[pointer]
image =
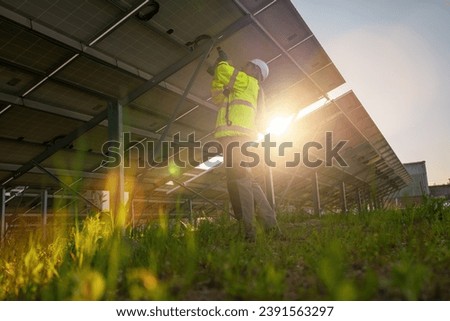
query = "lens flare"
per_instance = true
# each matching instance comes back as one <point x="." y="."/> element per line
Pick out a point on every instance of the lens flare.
<point x="279" y="125"/>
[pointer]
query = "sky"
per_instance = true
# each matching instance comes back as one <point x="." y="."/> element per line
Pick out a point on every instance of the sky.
<point x="395" y="56"/>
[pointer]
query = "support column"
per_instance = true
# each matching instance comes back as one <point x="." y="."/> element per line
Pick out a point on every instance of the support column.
<point x="191" y="212"/>
<point x="369" y="201"/>
<point x="365" y="201"/>
<point x="116" y="180"/>
<point x="44" y="205"/>
<point x="133" y="217"/>
<point x="3" y="214"/>
<point x="226" y="208"/>
<point x="270" y="193"/>
<point x="381" y="202"/>
<point x="378" y="202"/>
<point x="358" y="200"/>
<point x="376" y="206"/>
<point x="316" y="194"/>
<point x="343" y="198"/>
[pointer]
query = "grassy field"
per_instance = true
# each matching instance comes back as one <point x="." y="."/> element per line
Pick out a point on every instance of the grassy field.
<point x="382" y="255"/>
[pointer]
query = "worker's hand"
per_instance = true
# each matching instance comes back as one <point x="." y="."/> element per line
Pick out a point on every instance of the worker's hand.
<point x="222" y="57"/>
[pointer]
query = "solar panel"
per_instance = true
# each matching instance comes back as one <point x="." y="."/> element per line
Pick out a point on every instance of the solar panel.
<point x="20" y="46"/>
<point x="14" y="81"/>
<point x="81" y="19"/>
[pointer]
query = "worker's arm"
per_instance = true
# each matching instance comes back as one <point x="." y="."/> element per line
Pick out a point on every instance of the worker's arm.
<point x="222" y="57"/>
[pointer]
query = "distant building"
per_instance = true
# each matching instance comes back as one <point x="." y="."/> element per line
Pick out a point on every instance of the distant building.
<point x="442" y="191"/>
<point x="414" y="192"/>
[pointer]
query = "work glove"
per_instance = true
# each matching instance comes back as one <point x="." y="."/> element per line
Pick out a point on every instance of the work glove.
<point x="222" y="57"/>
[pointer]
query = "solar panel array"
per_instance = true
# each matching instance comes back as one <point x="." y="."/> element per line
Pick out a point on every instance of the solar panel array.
<point x="62" y="63"/>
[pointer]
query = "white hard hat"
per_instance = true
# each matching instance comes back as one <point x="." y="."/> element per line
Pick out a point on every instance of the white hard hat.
<point x="262" y="66"/>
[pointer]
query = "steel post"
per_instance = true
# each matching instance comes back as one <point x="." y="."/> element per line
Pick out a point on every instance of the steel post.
<point x="115" y="132"/>
<point x="343" y="198"/>
<point x="270" y="192"/>
<point x="44" y="206"/>
<point x="358" y="200"/>
<point x="3" y="215"/>
<point x="316" y="194"/>
<point x="191" y="211"/>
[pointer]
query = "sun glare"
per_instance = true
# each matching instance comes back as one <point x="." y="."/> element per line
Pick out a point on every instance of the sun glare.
<point x="279" y="125"/>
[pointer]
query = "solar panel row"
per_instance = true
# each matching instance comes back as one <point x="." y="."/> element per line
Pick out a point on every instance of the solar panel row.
<point x="62" y="63"/>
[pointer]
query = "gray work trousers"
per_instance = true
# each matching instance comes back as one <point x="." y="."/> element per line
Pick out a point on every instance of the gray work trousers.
<point x="244" y="191"/>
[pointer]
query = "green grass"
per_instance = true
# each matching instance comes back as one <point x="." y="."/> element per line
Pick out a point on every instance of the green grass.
<point x="382" y="255"/>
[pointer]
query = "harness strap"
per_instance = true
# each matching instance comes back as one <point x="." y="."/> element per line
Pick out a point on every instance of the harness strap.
<point x="226" y="91"/>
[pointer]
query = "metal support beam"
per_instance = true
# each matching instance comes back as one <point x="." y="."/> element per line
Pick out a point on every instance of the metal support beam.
<point x="376" y="203"/>
<point x="358" y="200"/>
<point x="379" y="203"/>
<point x="343" y="198"/>
<point x="68" y="187"/>
<point x="44" y="206"/>
<point x="182" y="99"/>
<point x="191" y="211"/>
<point x="3" y="214"/>
<point x="113" y="26"/>
<point x="368" y="200"/>
<point x="62" y="172"/>
<point x="38" y="105"/>
<point x="280" y="47"/>
<point x="133" y="216"/>
<point x="316" y="194"/>
<point x="59" y="144"/>
<point x="183" y="185"/>
<point x="117" y="180"/>
<point x="270" y="192"/>
<point x="363" y="200"/>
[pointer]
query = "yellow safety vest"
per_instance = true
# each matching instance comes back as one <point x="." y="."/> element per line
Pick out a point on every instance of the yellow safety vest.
<point x="242" y="102"/>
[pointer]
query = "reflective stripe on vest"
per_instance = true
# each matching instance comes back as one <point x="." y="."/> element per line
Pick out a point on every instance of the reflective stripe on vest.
<point x="233" y="130"/>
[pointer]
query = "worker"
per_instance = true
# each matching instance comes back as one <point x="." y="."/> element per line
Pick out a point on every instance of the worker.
<point x="236" y="94"/>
